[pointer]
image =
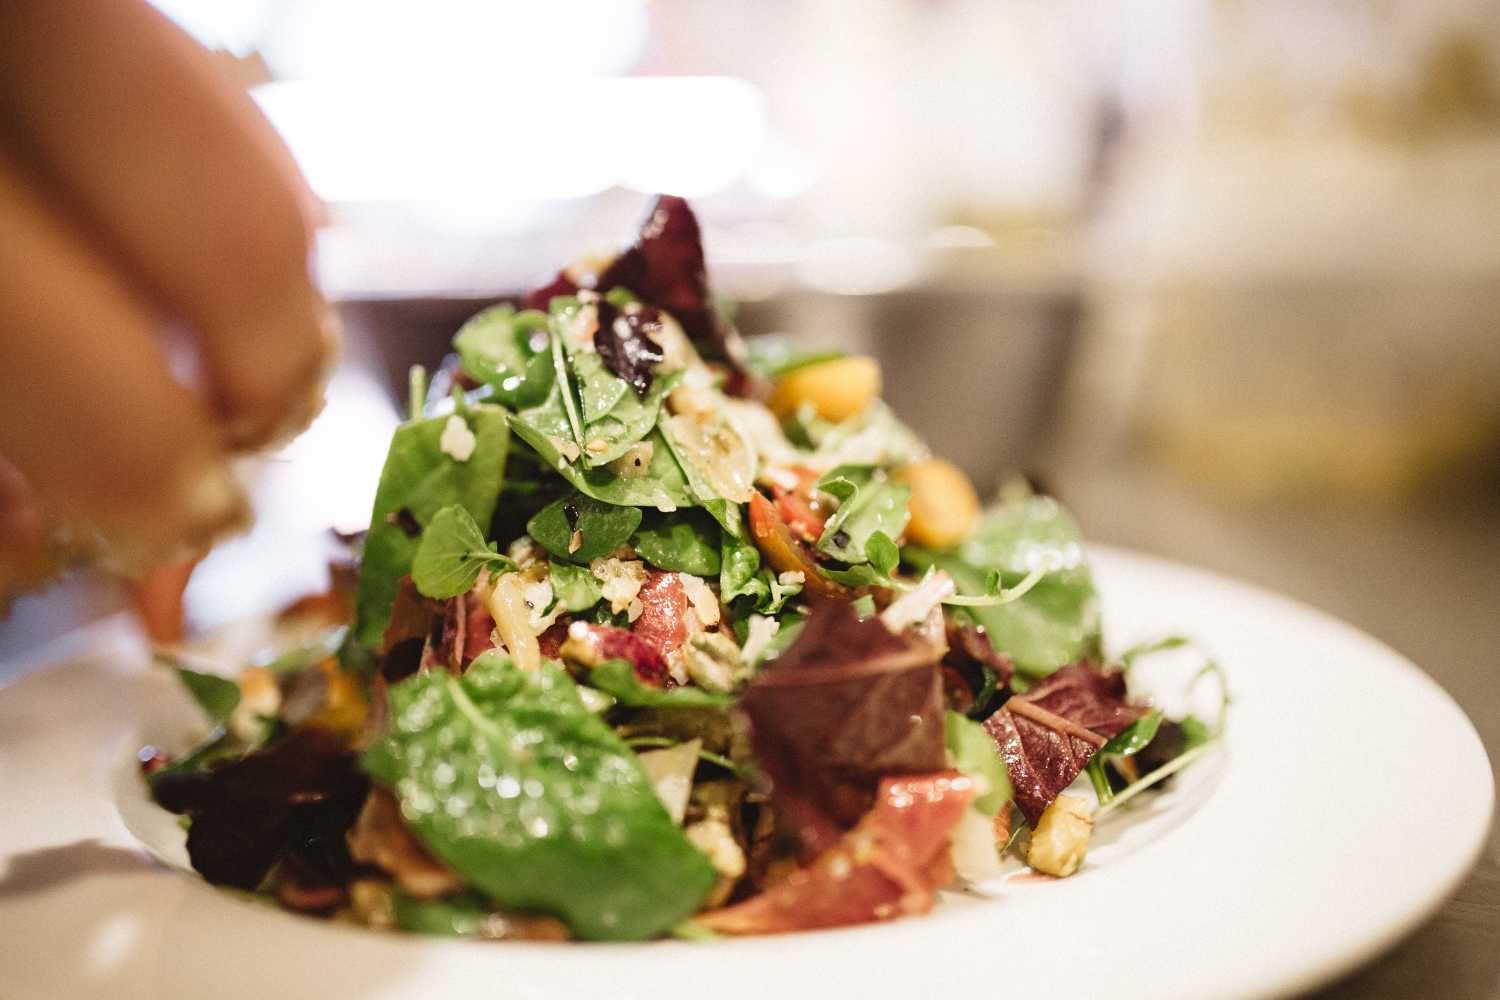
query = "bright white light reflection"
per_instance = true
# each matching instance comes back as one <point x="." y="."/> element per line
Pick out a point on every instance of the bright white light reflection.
<point x="858" y="266"/>
<point x="488" y="139"/>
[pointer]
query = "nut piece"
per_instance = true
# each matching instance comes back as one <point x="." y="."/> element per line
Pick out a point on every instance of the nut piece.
<point x="943" y="503"/>
<point x="837" y="389"/>
<point x="1061" y="837"/>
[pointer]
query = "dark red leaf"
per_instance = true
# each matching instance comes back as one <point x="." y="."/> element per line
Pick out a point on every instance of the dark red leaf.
<point x="846" y="705"/>
<point x="886" y="867"/>
<point x="626" y="342"/>
<point x="294" y="799"/>
<point x="1048" y="735"/>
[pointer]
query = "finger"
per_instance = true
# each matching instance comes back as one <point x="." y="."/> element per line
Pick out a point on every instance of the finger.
<point x="89" y="413"/>
<point x="186" y="182"/>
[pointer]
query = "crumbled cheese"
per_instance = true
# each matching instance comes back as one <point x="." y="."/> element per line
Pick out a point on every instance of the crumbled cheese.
<point x="759" y="631"/>
<point x="713" y="661"/>
<point x="791" y="578"/>
<point x="523" y="552"/>
<point x="620" y="580"/>
<point x="714" y="838"/>
<point x="457" y="441"/>
<point x="705" y="602"/>
<point x="635" y="610"/>
<point x="539" y="599"/>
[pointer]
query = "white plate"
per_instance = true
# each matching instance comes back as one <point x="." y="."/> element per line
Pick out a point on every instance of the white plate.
<point x="1350" y="798"/>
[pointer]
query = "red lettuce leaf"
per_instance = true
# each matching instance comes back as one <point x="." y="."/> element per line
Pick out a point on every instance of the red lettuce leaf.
<point x="1048" y="735"/>
<point x="846" y="705"/>
<point x="886" y="867"/>
<point x="291" y="802"/>
<point x="625" y="340"/>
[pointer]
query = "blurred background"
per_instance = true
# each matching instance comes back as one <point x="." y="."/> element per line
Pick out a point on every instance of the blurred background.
<point x="1224" y="275"/>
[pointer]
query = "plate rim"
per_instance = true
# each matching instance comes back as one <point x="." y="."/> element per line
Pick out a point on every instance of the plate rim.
<point x="48" y="660"/>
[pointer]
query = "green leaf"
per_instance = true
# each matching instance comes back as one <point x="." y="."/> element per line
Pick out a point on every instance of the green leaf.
<point x="452" y="553"/>
<point x="684" y="542"/>
<point x="1054" y="623"/>
<point x="459" y="915"/>
<point x="882" y="556"/>
<point x="617" y="677"/>
<point x="601" y="527"/>
<point x="739" y="563"/>
<point x="868" y="503"/>
<point x="974" y="754"/>
<point x="725" y="511"/>
<point x="1133" y="738"/>
<point x="508" y="779"/>
<point x="419" y="479"/>
<point x="508" y="352"/>
<point x="574" y="586"/>
<point x="217" y="696"/>
<point x="770" y="357"/>
<point x="662" y="486"/>
<point x="614" y="417"/>
<point x="216" y="746"/>
<point x="1195" y="733"/>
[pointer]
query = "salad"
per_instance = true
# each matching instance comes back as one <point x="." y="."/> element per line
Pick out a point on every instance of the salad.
<point x="655" y="632"/>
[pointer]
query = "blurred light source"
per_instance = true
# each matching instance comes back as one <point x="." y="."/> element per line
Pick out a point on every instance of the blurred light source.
<point x="858" y="266"/>
<point x="487" y="141"/>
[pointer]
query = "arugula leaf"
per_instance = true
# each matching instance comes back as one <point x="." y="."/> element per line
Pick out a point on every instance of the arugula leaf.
<point x="508" y="352"/>
<point x="452" y="553"/>
<point x="617" y="677"/>
<point x="662" y="486"/>
<point x="418" y="480"/>
<point x="600" y="527"/>
<point x="508" y="778"/>
<point x="974" y="754"/>
<point x="868" y="503"/>
<point x="217" y="696"/>
<point x="1056" y="622"/>
<point x="1127" y="742"/>
<point x="684" y="542"/>
<point x="574" y="586"/>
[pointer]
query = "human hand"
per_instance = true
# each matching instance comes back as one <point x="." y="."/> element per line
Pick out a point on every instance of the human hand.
<point x="140" y="192"/>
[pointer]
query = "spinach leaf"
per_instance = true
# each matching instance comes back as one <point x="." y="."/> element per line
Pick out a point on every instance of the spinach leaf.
<point x="663" y="485"/>
<point x="508" y="352"/>
<point x="617" y="677"/>
<point x="508" y="778"/>
<point x="868" y="503"/>
<point x="574" y="586"/>
<point x="451" y="554"/>
<point x="630" y="419"/>
<point x="217" y="696"/>
<point x="684" y="542"/>
<point x="882" y="557"/>
<point x="974" y="754"/>
<point x="739" y="561"/>
<point x="1053" y="624"/>
<point x="463" y="914"/>
<point x="599" y="389"/>
<point x="597" y="528"/>
<point x="419" y="479"/>
<point x="725" y="511"/>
